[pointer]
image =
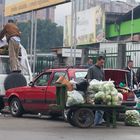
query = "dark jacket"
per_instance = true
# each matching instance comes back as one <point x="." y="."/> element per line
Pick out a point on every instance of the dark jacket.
<point x="95" y="72"/>
<point x="138" y="75"/>
<point x="134" y="80"/>
<point x="9" y="31"/>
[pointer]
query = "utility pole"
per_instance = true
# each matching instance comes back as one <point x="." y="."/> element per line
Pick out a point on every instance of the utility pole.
<point x="72" y="17"/>
<point x="35" y="41"/>
<point x="32" y="39"/>
<point x="73" y="33"/>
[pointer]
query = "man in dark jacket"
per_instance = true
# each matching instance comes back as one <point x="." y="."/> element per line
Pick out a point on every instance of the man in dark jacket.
<point x="12" y="33"/>
<point x="138" y="75"/>
<point x="131" y="76"/>
<point x="96" y="72"/>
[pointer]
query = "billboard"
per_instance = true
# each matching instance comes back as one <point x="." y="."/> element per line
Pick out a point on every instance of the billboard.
<point x="90" y="27"/>
<point x="29" y="5"/>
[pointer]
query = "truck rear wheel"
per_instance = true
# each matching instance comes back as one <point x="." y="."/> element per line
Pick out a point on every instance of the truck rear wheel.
<point x="16" y="108"/>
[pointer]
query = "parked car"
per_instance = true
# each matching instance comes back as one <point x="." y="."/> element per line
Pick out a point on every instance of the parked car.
<point x="41" y="93"/>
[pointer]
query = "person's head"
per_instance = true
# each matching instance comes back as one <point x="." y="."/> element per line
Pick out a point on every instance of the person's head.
<point x="10" y="21"/>
<point x="130" y="64"/>
<point x="90" y="61"/>
<point x="100" y="61"/>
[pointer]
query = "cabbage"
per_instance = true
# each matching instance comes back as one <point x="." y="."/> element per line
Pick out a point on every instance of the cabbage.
<point x="105" y="92"/>
<point x="132" y="118"/>
<point x="114" y="92"/>
<point x="109" y="103"/>
<point x="108" y="86"/>
<point x="100" y="95"/>
<point x="108" y="98"/>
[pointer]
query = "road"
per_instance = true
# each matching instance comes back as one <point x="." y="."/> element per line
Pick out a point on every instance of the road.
<point x="35" y="128"/>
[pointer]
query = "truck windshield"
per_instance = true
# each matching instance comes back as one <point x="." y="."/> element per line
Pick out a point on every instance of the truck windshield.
<point x="80" y="75"/>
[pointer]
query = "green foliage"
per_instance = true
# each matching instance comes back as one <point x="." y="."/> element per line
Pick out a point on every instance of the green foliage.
<point x="49" y="35"/>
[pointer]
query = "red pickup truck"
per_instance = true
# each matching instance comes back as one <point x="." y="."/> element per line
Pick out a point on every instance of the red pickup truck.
<point x="41" y="93"/>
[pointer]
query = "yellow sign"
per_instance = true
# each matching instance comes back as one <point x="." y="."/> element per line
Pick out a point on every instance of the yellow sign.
<point x="29" y="5"/>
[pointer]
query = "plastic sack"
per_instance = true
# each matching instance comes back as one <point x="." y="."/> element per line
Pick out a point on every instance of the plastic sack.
<point x="74" y="97"/>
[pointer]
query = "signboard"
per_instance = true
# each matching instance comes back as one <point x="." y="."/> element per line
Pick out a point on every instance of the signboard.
<point x="67" y="53"/>
<point x="29" y="5"/>
<point x="90" y="27"/>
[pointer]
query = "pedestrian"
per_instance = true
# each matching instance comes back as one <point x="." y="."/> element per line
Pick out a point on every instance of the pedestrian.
<point x="131" y="76"/>
<point x="96" y="72"/>
<point x="138" y="75"/>
<point x="12" y="33"/>
<point x="89" y="63"/>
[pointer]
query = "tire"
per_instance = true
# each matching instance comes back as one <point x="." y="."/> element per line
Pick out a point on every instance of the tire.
<point x="83" y="118"/>
<point x="14" y="80"/>
<point x="1" y="103"/>
<point x="16" y="108"/>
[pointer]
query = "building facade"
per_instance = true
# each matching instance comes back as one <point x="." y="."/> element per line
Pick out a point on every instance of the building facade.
<point x="109" y="5"/>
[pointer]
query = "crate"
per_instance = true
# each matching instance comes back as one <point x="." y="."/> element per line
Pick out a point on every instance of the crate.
<point x="61" y="95"/>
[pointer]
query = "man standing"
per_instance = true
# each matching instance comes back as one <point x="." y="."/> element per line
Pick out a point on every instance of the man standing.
<point x="12" y="33"/>
<point x="89" y="63"/>
<point x="138" y="75"/>
<point x="96" y="72"/>
<point x="131" y="76"/>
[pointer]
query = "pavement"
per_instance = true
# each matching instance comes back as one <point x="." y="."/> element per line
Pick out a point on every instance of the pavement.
<point x="31" y="127"/>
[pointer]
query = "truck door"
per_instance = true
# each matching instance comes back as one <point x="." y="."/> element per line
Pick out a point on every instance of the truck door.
<point x="36" y="94"/>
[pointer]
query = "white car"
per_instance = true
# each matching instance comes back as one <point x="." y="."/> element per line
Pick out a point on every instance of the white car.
<point x="5" y="67"/>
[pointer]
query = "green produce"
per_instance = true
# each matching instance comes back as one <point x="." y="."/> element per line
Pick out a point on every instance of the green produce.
<point x="106" y="93"/>
<point x="132" y="118"/>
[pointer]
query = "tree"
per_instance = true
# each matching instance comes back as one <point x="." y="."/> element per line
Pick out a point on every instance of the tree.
<point x="49" y="35"/>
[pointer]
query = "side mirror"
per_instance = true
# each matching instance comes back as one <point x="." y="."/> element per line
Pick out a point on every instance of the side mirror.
<point x="31" y="84"/>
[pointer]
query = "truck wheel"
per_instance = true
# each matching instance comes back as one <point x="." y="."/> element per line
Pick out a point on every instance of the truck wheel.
<point x="16" y="108"/>
<point x="14" y="80"/>
<point x="84" y="118"/>
<point x="1" y="103"/>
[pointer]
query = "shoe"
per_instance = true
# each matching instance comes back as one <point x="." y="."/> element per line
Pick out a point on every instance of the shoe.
<point x="100" y="124"/>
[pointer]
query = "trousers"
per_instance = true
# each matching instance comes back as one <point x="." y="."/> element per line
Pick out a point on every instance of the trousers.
<point x="14" y="48"/>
